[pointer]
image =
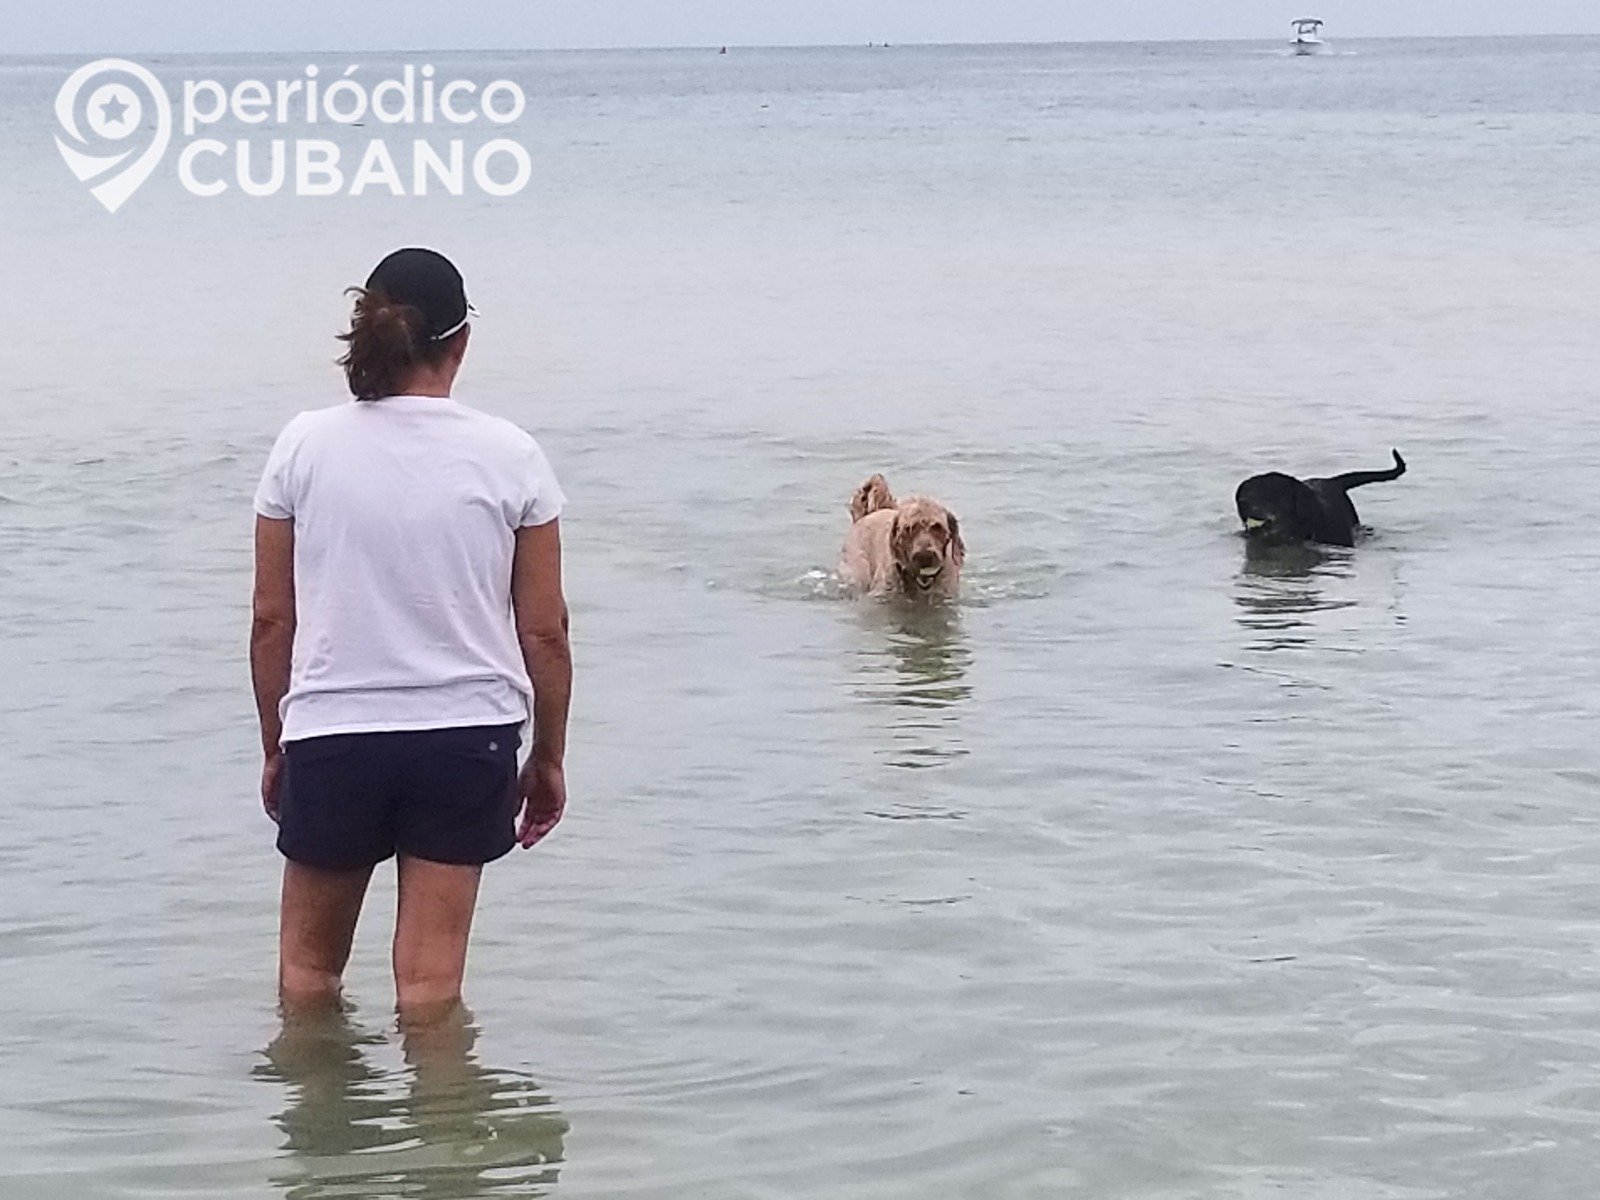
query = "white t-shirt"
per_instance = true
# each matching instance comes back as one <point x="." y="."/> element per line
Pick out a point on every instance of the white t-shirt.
<point x="405" y="511"/>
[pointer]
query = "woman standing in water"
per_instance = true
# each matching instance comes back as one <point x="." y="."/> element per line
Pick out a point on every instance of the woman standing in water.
<point x="408" y="619"/>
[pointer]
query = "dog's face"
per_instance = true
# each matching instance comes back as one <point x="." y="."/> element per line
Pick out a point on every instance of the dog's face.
<point x="1276" y="508"/>
<point x="927" y="545"/>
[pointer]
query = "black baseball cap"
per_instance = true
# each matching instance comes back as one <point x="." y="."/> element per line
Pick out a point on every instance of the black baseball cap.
<point x="428" y="282"/>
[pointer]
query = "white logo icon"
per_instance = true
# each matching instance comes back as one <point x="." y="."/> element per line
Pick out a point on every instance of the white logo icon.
<point x="113" y="112"/>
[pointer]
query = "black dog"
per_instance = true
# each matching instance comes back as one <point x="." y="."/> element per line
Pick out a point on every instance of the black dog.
<point x="1280" y="508"/>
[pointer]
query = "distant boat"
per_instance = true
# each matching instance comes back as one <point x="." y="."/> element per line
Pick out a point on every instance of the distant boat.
<point x="1306" y="39"/>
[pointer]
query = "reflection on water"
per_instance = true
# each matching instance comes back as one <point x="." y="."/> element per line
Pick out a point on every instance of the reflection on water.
<point x="914" y="661"/>
<point x="1279" y="589"/>
<point x="442" y="1126"/>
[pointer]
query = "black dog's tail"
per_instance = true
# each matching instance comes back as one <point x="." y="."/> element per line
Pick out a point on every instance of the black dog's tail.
<point x="1355" y="479"/>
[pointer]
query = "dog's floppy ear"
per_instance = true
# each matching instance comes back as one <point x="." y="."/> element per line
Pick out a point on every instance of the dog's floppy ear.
<point x="898" y="531"/>
<point x="958" y="548"/>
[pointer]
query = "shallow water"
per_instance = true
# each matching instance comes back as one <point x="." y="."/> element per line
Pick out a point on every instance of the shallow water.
<point x="1151" y="869"/>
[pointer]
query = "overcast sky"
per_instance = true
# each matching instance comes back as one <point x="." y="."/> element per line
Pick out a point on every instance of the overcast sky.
<point x="82" y="26"/>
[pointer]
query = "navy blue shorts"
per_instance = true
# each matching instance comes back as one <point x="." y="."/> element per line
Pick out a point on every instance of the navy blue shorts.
<point x="353" y="799"/>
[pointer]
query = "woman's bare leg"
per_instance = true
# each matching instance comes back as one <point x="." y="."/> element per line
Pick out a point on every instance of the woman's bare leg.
<point x="432" y="924"/>
<point x="316" y="925"/>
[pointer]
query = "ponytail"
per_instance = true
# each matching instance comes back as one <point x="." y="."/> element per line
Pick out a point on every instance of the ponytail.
<point x="385" y="342"/>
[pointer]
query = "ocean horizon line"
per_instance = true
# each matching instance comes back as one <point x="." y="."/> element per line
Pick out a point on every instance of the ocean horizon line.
<point x="769" y="47"/>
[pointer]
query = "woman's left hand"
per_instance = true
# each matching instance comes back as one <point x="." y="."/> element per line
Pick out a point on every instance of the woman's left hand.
<point x="271" y="770"/>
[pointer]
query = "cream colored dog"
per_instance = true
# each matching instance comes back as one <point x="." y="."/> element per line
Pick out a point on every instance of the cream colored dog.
<point x="911" y="547"/>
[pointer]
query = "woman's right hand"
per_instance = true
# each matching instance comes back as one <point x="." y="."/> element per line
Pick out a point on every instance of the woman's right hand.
<point x="544" y="797"/>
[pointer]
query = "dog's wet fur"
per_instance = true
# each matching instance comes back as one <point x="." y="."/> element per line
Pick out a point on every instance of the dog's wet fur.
<point x="1278" y="508"/>
<point x="909" y="547"/>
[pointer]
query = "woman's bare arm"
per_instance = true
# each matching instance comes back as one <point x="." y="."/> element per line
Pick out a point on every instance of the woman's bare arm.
<point x="272" y="640"/>
<point x="540" y="610"/>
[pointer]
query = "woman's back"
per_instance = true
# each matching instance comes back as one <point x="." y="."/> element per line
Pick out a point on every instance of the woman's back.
<point x="405" y="515"/>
